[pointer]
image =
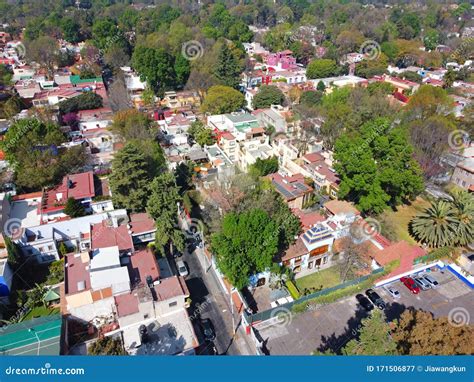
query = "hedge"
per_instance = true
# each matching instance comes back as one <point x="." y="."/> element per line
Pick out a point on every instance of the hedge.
<point x="293" y="290"/>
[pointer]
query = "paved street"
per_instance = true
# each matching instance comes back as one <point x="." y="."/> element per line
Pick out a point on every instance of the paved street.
<point x="332" y="326"/>
<point x="210" y="301"/>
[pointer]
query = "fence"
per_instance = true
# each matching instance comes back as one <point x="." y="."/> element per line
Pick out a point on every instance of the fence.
<point x="274" y="312"/>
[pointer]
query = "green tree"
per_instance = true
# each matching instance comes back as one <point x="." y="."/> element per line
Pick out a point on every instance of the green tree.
<point x="227" y="70"/>
<point x="222" y="99"/>
<point x="132" y="124"/>
<point x="263" y="167"/>
<point x="107" y="346"/>
<point x="182" y="70"/>
<point x="445" y="222"/>
<point x="156" y="66"/>
<point x="370" y="68"/>
<point x="129" y="180"/>
<point x="376" y="167"/>
<point x="201" y="134"/>
<point x="163" y="207"/>
<point x="267" y="95"/>
<point x="321" y="87"/>
<point x="431" y="39"/>
<point x="56" y="272"/>
<point x="74" y="208"/>
<point x="84" y="101"/>
<point x="322" y="68"/>
<point x="71" y="30"/>
<point x="374" y="337"/>
<point x="311" y="98"/>
<point x="245" y="245"/>
<point x="13" y="251"/>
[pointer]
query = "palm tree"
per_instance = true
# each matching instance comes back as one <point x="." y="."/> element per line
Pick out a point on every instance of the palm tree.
<point x="463" y="203"/>
<point x="437" y="225"/>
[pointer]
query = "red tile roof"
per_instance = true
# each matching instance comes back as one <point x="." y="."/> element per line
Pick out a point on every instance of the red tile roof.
<point x="126" y="304"/>
<point x="103" y="236"/>
<point x="76" y="271"/>
<point x="297" y="249"/>
<point x="142" y="264"/>
<point x="308" y="219"/>
<point x="77" y="186"/>
<point x="171" y="287"/>
<point x="141" y="223"/>
<point x="402" y="251"/>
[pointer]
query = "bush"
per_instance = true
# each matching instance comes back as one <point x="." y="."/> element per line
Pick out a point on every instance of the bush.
<point x="293" y="290"/>
<point x="84" y="101"/>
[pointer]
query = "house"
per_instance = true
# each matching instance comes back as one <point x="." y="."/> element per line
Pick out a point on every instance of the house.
<point x="236" y="123"/>
<point x="401" y="85"/>
<point x="463" y="174"/>
<point x="252" y="149"/>
<point x="182" y="100"/>
<point x="293" y="189"/>
<point x="274" y="116"/>
<point x="94" y="119"/>
<point x="105" y="235"/>
<point x="80" y="187"/>
<point x="229" y="145"/>
<point x="43" y="241"/>
<point x="340" y="81"/>
<point x="142" y="228"/>
<point x="340" y="208"/>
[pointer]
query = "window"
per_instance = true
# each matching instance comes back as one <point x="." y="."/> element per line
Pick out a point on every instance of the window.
<point x="171" y="304"/>
<point x="50" y="247"/>
<point x="325" y="259"/>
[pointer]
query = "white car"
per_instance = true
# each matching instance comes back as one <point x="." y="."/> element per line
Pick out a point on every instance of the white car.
<point x="422" y="283"/>
<point x="393" y="292"/>
<point x="432" y="281"/>
<point x="182" y="269"/>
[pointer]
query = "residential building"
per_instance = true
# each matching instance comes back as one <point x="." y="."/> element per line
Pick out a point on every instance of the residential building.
<point x="293" y="189"/>
<point x="42" y="241"/>
<point x="229" y="145"/>
<point x="252" y="149"/>
<point x="182" y="100"/>
<point x="274" y="116"/>
<point x="81" y="187"/>
<point x="94" y="119"/>
<point x="236" y="123"/>
<point x="463" y="174"/>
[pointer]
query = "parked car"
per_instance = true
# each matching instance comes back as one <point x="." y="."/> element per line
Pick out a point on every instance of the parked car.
<point x="432" y="281"/>
<point x="182" y="268"/>
<point x="410" y="284"/>
<point x="375" y="298"/>
<point x="177" y="254"/>
<point x="422" y="283"/>
<point x="208" y="330"/>
<point x="364" y="302"/>
<point x="393" y="292"/>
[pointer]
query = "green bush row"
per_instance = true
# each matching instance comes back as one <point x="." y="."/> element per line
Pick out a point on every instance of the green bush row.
<point x="293" y="290"/>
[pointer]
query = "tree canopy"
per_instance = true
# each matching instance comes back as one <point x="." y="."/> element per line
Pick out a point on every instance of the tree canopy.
<point x="246" y="245"/>
<point x="267" y="95"/>
<point x="322" y="68"/>
<point x="222" y="99"/>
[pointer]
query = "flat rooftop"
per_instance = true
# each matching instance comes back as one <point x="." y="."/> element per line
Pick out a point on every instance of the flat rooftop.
<point x="26" y="211"/>
<point x="168" y="335"/>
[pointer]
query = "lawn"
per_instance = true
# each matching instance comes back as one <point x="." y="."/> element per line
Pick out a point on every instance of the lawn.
<point x="326" y="278"/>
<point x="40" y="311"/>
<point x="402" y="217"/>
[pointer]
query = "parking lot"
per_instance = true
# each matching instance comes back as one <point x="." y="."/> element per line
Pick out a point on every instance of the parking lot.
<point x="333" y="325"/>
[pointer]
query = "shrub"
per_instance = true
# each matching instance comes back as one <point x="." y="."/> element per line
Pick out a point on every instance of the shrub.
<point x="293" y="290"/>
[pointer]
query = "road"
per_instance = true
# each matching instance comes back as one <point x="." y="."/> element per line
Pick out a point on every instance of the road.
<point x="210" y="301"/>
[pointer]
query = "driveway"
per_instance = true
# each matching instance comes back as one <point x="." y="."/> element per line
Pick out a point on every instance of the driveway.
<point x="333" y="325"/>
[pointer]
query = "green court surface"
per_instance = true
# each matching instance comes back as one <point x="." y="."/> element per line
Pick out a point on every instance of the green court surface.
<point x="37" y="336"/>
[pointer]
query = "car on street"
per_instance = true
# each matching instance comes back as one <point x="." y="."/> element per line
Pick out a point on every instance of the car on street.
<point x="393" y="292"/>
<point x="432" y="281"/>
<point x="182" y="268"/>
<point x="410" y="284"/>
<point x="208" y="330"/>
<point x="375" y="298"/>
<point x="364" y="302"/>
<point x="422" y="283"/>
